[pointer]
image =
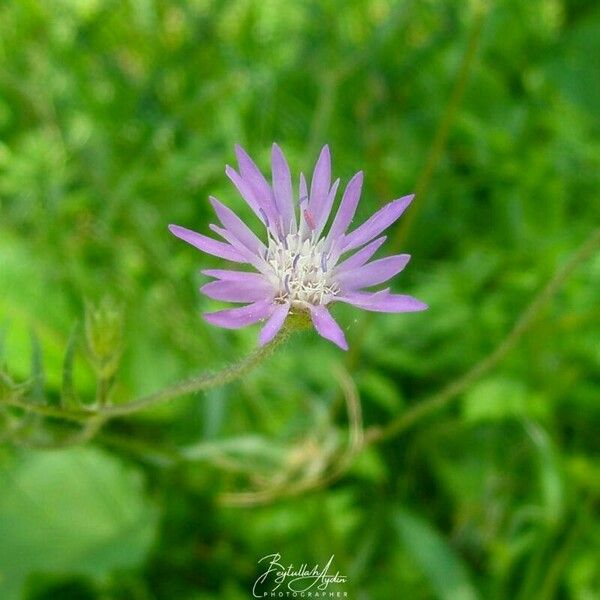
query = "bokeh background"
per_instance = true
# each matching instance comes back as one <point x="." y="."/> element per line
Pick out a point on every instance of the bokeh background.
<point x="118" y="116"/>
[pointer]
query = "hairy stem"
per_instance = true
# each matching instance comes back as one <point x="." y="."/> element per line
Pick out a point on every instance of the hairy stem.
<point x="197" y="383"/>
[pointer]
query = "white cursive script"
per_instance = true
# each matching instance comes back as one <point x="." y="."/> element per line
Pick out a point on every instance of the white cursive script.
<point x="298" y="580"/>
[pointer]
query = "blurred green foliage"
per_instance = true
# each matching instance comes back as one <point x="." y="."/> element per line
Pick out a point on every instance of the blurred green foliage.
<point x="117" y="117"/>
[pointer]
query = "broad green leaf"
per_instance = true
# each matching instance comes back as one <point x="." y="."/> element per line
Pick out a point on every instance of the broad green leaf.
<point x="445" y="570"/>
<point x="77" y="511"/>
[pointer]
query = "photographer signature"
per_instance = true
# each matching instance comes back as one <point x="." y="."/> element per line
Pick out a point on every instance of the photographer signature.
<point x="297" y="579"/>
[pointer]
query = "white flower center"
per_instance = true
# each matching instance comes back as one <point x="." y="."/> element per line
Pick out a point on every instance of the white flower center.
<point x="301" y="271"/>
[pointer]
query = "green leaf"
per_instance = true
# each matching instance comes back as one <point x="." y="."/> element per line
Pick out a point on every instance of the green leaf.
<point x="27" y="303"/>
<point x="77" y="511"/>
<point x="380" y="389"/>
<point x="369" y="465"/>
<point x="498" y="398"/>
<point x="550" y="473"/>
<point x="575" y="66"/>
<point x="445" y="570"/>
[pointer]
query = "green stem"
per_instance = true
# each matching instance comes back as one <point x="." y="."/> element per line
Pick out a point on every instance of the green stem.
<point x="49" y="411"/>
<point x="198" y="383"/>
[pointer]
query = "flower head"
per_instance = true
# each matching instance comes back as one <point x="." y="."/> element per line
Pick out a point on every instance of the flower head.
<point x="304" y="265"/>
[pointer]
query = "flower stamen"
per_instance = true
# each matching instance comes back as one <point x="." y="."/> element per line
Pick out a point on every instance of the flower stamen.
<point x="299" y="271"/>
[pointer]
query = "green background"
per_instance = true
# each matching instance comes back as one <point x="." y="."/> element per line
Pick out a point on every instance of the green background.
<point x="118" y="117"/>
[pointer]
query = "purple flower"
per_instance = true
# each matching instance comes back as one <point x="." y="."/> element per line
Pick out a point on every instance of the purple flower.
<point x="303" y="266"/>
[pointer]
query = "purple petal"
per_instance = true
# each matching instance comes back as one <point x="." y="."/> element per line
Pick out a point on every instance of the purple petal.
<point x="257" y="182"/>
<point x="347" y="207"/>
<point x="207" y="244"/>
<point x="381" y="220"/>
<point x="327" y="327"/>
<point x="383" y="301"/>
<point x="237" y="227"/>
<point x="302" y="191"/>
<point x="228" y="275"/>
<point x="282" y="187"/>
<point x="249" y="256"/>
<point x="246" y="192"/>
<point x="235" y="318"/>
<point x="362" y="256"/>
<point x="274" y="324"/>
<point x="303" y="203"/>
<point x="322" y="220"/>
<point x="319" y="187"/>
<point x="251" y="173"/>
<point x="238" y="291"/>
<point x="373" y="273"/>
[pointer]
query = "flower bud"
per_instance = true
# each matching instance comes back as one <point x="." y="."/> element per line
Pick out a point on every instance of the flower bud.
<point x="104" y="336"/>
